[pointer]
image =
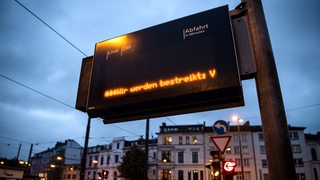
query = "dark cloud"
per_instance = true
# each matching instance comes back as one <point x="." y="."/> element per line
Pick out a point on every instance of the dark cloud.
<point x="34" y="55"/>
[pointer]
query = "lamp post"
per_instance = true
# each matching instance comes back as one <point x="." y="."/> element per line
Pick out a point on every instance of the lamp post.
<point x="238" y="120"/>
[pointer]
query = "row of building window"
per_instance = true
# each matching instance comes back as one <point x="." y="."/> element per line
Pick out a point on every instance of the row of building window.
<point x="243" y="137"/>
<point x="93" y="161"/>
<point x="294" y="135"/>
<point x="297" y="162"/>
<point x="296" y="148"/>
<point x="94" y="174"/>
<point x="70" y="176"/>
<point x="236" y="150"/>
<point x="191" y="174"/>
<point x="168" y="140"/>
<point x="166" y="157"/>
<point x="196" y="175"/>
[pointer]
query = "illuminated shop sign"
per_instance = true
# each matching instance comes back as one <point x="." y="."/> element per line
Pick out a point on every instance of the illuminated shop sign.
<point x="182" y="66"/>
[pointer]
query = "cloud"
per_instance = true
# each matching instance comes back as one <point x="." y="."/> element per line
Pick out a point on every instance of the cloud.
<point x="34" y="55"/>
<point x="56" y="75"/>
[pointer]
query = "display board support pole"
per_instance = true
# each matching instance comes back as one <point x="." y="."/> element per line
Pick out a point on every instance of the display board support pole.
<point x="85" y="150"/>
<point x="146" y="150"/>
<point x="273" y="117"/>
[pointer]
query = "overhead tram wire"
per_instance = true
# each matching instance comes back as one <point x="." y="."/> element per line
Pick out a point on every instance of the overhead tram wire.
<point x="69" y="42"/>
<point x="64" y="38"/>
<point x="78" y="49"/>
<point x="171" y="121"/>
<point x="16" y="140"/>
<point x="303" y="107"/>
<point x="125" y="130"/>
<point x="52" y="98"/>
<point x="289" y="110"/>
<point x="36" y="91"/>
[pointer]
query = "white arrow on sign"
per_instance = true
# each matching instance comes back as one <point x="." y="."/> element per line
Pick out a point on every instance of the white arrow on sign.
<point x="221" y="142"/>
<point x="218" y="125"/>
<point x="229" y="166"/>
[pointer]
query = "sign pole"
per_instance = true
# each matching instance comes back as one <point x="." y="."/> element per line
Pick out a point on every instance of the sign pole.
<point x="146" y="151"/>
<point x="273" y="117"/>
<point x="240" y="148"/>
<point x="85" y="150"/>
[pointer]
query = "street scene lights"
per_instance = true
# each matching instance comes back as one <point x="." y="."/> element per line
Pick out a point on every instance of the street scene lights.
<point x="238" y="120"/>
<point x="59" y="158"/>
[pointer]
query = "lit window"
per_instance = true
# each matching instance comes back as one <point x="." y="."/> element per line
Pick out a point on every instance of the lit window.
<point x="167" y="140"/>
<point x="194" y="140"/>
<point x="165" y="156"/>
<point x="228" y="150"/>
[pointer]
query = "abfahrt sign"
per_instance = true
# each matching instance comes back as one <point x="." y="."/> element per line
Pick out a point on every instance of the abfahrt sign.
<point x="182" y="66"/>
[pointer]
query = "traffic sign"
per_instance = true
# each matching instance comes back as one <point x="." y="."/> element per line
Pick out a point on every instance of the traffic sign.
<point x="221" y="127"/>
<point x="221" y="142"/>
<point x="229" y="167"/>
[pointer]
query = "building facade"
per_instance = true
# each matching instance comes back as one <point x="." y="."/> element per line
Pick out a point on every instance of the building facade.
<point x="59" y="162"/>
<point x="184" y="151"/>
<point x="180" y="152"/>
<point x="103" y="160"/>
<point x="313" y="153"/>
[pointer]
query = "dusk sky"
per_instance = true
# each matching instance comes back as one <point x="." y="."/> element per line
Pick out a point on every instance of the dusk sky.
<point x="39" y="71"/>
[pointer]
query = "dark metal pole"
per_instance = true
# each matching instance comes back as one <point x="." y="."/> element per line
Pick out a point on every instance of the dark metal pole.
<point x="273" y="117"/>
<point x="85" y="150"/>
<point x="18" y="154"/>
<point x="147" y="151"/>
<point x="240" y="148"/>
<point x="30" y="153"/>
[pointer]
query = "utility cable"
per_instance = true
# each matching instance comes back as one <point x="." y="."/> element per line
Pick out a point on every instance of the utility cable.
<point x="52" y="98"/>
<point x="74" y="46"/>
<point x="289" y="110"/>
<point x="171" y="121"/>
<point x="36" y="91"/>
<point x="125" y="130"/>
<point x="46" y="24"/>
<point x="12" y="139"/>
<point x="69" y="42"/>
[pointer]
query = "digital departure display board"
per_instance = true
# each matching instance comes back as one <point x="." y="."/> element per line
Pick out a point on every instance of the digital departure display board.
<point x="182" y="66"/>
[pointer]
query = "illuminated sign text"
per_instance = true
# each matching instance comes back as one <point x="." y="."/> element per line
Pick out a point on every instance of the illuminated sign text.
<point x="198" y="76"/>
<point x="194" y="30"/>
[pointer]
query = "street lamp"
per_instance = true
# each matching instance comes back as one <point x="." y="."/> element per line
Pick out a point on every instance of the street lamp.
<point x="95" y="161"/>
<point x="59" y="158"/>
<point x="238" y="120"/>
